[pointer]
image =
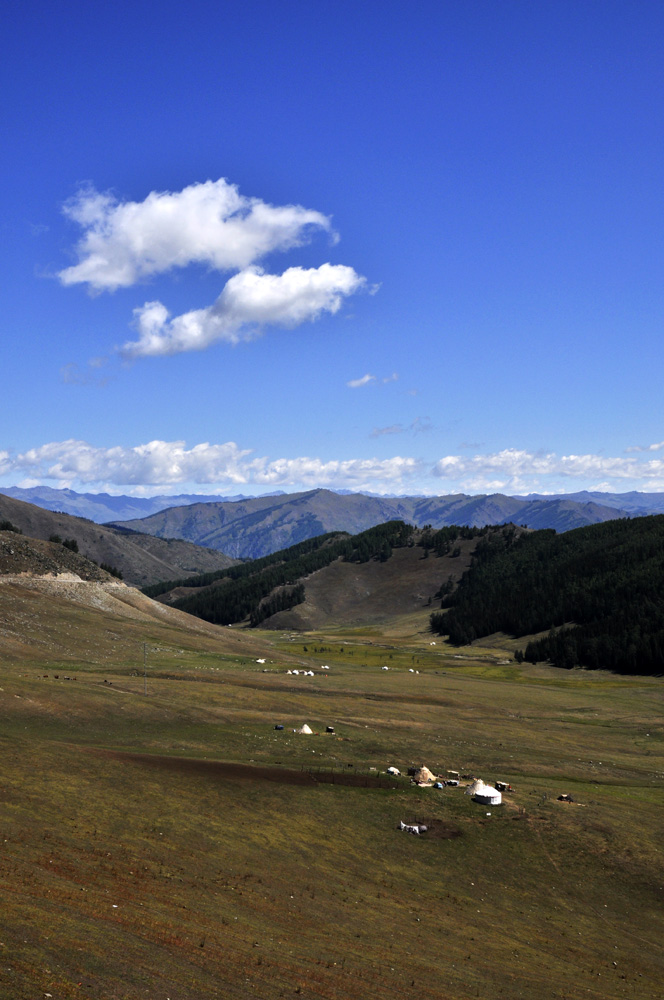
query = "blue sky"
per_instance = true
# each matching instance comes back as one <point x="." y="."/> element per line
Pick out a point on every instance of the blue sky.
<point x="387" y="246"/>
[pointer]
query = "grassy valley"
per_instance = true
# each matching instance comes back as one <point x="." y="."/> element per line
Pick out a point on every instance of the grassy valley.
<point x="175" y="844"/>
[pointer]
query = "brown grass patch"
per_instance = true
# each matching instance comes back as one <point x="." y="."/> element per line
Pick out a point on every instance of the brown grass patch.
<point x="437" y="829"/>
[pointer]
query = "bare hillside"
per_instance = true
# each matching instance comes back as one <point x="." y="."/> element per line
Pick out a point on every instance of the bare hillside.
<point x="372" y="592"/>
<point x="59" y="620"/>
<point x="55" y="603"/>
<point x="142" y="559"/>
<point x="22" y="556"/>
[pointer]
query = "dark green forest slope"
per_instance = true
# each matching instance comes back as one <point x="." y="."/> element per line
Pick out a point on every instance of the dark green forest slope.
<point x="599" y="590"/>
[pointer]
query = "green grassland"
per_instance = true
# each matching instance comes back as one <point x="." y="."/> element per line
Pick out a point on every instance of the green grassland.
<point x="127" y="873"/>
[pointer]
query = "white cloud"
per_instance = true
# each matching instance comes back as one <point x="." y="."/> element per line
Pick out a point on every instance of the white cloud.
<point x="163" y="465"/>
<point x="249" y="301"/>
<point x="357" y="383"/>
<point x="209" y="223"/>
<point x="515" y="470"/>
<point x="169" y="463"/>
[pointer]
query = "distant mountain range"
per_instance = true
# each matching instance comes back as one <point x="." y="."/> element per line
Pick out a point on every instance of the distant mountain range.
<point x="637" y="504"/>
<point x="252" y="528"/>
<point x="102" y="507"/>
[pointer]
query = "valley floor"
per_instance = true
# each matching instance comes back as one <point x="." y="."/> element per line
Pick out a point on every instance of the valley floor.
<point x="147" y="848"/>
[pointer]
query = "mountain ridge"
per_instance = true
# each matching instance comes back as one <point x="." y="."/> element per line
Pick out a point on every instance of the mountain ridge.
<point x="250" y="529"/>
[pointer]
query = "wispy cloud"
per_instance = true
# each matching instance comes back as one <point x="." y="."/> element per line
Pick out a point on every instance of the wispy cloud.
<point x="357" y="383"/>
<point x="383" y="431"/>
<point x="417" y="426"/>
<point x="213" y="225"/>
<point x="648" y="447"/>
<point x="73" y="374"/>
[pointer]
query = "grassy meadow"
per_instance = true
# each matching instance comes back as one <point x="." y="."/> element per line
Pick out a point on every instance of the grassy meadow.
<point x="134" y="864"/>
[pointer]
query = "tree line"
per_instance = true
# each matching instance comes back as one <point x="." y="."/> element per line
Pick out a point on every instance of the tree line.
<point x="598" y="591"/>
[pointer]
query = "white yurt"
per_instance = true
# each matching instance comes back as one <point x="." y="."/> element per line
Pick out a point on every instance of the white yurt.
<point x="486" y="795"/>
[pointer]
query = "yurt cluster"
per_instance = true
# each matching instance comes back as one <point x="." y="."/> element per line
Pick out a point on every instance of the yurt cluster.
<point x="479" y="791"/>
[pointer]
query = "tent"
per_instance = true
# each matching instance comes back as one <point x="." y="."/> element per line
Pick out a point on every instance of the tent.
<point x="424" y="776"/>
<point x="305" y="729"/>
<point x="393" y="770"/>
